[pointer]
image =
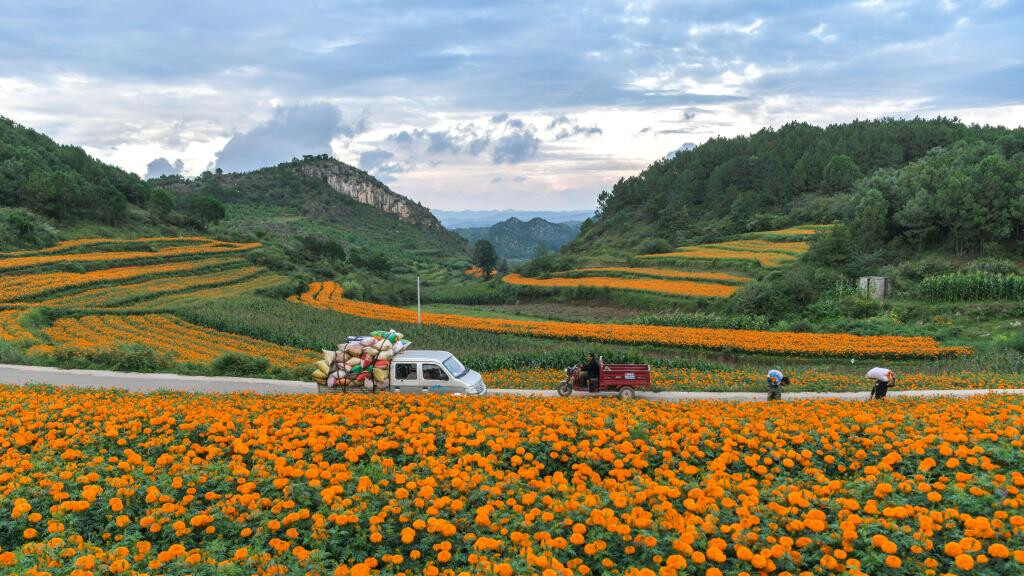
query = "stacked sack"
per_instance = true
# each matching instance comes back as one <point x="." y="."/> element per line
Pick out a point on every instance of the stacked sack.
<point x="362" y="360"/>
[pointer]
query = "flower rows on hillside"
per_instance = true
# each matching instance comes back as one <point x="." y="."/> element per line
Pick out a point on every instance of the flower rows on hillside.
<point x="17" y="287"/>
<point x="107" y="482"/>
<point x="69" y="245"/>
<point x="329" y="295"/>
<point x="710" y="252"/>
<point x="187" y="342"/>
<point x="673" y="287"/>
<point x="663" y="273"/>
<point x="10" y="326"/>
<point x="687" y="380"/>
<point x="120" y="294"/>
<point x="8" y="262"/>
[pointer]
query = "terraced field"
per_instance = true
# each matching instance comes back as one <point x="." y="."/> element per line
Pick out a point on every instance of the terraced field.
<point x="141" y="275"/>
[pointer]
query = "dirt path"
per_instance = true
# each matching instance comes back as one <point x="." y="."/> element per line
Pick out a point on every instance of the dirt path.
<point x="135" y="382"/>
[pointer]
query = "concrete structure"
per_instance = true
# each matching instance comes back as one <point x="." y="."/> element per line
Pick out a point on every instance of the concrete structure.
<point x="878" y="287"/>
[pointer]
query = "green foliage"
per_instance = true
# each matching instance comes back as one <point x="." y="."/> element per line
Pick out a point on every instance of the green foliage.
<point x="801" y="173"/>
<point x="971" y="286"/>
<point x="159" y="203"/>
<point x="844" y="300"/>
<point x="654" y="246"/>
<point x="783" y="291"/>
<point x="840" y="174"/>
<point x="545" y="262"/>
<point x="704" y="320"/>
<point x="484" y="257"/>
<point x="234" y="364"/>
<point x="123" y="358"/>
<point x="206" y="211"/>
<point x="22" y="229"/>
<point x="62" y="182"/>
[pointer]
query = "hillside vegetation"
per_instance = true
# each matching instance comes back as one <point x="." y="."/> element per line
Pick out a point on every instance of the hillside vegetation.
<point x="907" y="182"/>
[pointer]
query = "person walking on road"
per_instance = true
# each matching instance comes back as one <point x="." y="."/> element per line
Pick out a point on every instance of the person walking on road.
<point x="776" y="380"/>
<point x="884" y="379"/>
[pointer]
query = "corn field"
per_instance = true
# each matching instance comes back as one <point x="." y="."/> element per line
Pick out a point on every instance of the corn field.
<point x="961" y="287"/>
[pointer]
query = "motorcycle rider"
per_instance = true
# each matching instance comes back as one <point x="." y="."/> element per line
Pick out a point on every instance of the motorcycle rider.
<point x="591" y="373"/>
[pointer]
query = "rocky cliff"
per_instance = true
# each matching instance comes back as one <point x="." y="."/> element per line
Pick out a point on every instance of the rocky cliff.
<point x="366" y="189"/>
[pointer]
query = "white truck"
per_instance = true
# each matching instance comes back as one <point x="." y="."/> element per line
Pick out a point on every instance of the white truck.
<point x="433" y="371"/>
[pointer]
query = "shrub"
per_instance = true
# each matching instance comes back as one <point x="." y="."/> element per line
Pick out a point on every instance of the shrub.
<point x="234" y="364"/>
<point x="654" y="246"/>
<point x="21" y="228"/>
<point x="123" y="358"/>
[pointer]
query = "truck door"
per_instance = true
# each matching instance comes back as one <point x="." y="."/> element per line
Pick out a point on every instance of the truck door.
<point x="406" y="380"/>
<point x="433" y="378"/>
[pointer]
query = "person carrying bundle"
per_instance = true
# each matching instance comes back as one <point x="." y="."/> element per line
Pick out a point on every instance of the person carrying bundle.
<point x="776" y="380"/>
<point x="884" y="379"/>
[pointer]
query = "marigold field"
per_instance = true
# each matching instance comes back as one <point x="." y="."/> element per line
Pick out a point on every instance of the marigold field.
<point x="100" y="482"/>
<point x="663" y="273"/>
<point x="329" y="295"/>
<point x="673" y="287"/>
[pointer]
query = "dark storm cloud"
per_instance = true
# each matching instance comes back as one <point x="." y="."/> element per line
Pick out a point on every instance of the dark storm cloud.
<point x="293" y="131"/>
<point x="163" y="167"/>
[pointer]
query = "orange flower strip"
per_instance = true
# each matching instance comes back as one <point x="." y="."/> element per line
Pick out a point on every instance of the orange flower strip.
<point x="756" y="245"/>
<point x="673" y="287"/>
<point x="16" y="287"/>
<point x="72" y="244"/>
<point x="664" y="273"/>
<point x="328" y="295"/>
<point x="104" y="482"/>
<point x="117" y="295"/>
<point x="768" y="259"/>
<point x="687" y="380"/>
<point x="188" y="342"/>
<point x="10" y="326"/>
<point x="209" y="247"/>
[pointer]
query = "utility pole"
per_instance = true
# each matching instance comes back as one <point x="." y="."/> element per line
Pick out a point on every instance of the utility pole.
<point x="419" y="315"/>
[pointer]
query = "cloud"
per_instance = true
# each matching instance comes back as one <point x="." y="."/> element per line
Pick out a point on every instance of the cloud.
<point x="162" y="167"/>
<point x="381" y="164"/>
<point x="568" y="127"/>
<point x="291" y="132"/>
<point x="821" y="33"/>
<point x="516" y="147"/>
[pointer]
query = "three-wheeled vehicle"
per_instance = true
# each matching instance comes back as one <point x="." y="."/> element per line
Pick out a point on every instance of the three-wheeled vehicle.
<point x="622" y="379"/>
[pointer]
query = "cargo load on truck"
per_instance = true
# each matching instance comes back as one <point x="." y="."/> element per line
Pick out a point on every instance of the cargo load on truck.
<point x="361" y="363"/>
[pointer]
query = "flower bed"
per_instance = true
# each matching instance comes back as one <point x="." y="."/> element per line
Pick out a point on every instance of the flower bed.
<point x="329" y="295"/>
<point x="111" y="482"/>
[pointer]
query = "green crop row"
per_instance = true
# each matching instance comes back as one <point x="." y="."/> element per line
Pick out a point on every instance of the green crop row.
<point x="972" y="286"/>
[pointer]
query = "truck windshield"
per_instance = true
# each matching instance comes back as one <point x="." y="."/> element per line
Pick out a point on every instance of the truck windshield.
<point x="455" y="367"/>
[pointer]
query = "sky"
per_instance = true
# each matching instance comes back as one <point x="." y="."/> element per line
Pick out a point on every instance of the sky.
<point x="464" y="104"/>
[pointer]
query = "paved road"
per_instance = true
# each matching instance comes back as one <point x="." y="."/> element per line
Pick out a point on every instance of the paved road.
<point x="15" y="374"/>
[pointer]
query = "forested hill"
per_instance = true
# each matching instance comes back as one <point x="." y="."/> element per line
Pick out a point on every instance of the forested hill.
<point x="62" y="182"/>
<point x="919" y="183"/>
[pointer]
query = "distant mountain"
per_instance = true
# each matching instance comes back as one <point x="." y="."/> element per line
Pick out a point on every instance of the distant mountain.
<point x="517" y="240"/>
<point x="485" y="218"/>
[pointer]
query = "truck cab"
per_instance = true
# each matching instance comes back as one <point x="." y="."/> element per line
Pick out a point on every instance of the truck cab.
<point x="433" y="371"/>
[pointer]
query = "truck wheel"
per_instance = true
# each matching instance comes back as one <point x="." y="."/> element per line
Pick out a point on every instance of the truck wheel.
<point x="627" y="393"/>
<point x="564" y="389"/>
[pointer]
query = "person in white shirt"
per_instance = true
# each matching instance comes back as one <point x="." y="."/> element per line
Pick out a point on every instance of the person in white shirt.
<point x="884" y="379"/>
